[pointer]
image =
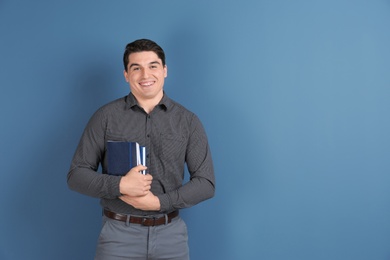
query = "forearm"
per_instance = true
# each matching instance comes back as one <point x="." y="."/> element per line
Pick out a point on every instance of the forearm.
<point x="188" y="195"/>
<point x="94" y="184"/>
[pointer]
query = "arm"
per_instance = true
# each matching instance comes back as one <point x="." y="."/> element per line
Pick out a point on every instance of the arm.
<point x="83" y="176"/>
<point x="200" y="166"/>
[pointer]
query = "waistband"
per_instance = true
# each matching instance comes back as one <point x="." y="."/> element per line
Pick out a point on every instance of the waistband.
<point x="144" y="221"/>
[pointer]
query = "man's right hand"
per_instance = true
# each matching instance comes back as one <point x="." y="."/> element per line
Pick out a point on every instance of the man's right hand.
<point x="135" y="183"/>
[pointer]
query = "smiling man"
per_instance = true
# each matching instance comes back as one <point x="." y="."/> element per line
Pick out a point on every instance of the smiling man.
<point x="146" y="73"/>
<point x="141" y="212"/>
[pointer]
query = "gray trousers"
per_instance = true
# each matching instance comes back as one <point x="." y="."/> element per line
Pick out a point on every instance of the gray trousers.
<point x="118" y="241"/>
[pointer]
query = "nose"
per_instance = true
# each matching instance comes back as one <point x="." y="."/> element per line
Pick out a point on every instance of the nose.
<point x="145" y="73"/>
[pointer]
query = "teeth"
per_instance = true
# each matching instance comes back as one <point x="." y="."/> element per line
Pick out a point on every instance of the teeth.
<point x="146" y="84"/>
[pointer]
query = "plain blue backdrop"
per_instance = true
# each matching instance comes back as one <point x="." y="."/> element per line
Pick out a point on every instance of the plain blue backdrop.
<point x="294" y="96"/>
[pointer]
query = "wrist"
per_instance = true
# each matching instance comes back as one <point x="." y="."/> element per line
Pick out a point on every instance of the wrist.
<point x="120" y="187"/>
<point x="158" y="205"/>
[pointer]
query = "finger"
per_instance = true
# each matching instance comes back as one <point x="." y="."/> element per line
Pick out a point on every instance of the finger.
<point x="137" y="169"/>
<point x="148" y="177"/>
<point x="140" y="167"/>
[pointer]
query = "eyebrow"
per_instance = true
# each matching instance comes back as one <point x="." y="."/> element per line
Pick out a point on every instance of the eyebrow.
<point x="150" y="63"/>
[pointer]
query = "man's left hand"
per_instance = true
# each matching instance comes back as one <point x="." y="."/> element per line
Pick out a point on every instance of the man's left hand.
<point x="148" y="202"/>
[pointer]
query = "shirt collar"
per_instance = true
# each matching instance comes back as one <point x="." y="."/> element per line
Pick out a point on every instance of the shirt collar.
<point x="165" y="103"/>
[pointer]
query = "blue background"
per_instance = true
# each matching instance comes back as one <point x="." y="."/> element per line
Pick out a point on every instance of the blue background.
<point x="294" y="96"/>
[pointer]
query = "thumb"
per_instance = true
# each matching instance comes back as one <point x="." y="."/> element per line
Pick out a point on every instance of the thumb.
<point x="140" y="167"/>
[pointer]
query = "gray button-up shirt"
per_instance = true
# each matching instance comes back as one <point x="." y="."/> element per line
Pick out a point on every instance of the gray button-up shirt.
<point x="173" y="137"/>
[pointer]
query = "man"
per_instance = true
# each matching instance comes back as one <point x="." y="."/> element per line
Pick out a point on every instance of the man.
<point x="140" y="212"/>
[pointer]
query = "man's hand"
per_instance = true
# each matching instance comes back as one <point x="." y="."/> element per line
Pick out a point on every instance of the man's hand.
<point x="134" y="183"/>
<point x="146" y="202"/>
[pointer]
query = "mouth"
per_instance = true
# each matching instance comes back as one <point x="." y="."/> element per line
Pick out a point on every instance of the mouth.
<point x="146" y="83"/>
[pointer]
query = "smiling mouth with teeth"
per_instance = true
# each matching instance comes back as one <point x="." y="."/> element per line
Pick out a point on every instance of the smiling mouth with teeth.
<point x="147" y="84"/>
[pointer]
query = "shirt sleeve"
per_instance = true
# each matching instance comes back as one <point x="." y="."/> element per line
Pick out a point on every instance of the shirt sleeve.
<point x="83" y="176"/>
<point x="201" y="185"/>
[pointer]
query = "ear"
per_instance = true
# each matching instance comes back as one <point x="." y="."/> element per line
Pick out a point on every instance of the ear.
<point x="125" y="75"/>
<point x="165" y="71"/>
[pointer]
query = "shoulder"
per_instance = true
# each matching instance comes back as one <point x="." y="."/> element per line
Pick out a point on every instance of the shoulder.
<point x="116" y="104"/>
<point x="107" y="110"/>
<point x="176" y="107"/>
<point x="182" y="113"/>
<point x="113" y="106"/>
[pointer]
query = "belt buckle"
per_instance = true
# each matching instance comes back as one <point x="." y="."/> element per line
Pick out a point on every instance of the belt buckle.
<point x="144" y="219"/>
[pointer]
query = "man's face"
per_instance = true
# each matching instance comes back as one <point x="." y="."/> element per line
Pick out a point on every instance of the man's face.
<point x="145" y="74"/>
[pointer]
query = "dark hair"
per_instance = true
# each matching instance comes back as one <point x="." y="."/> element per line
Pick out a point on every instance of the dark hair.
<point x="142" y="45"/>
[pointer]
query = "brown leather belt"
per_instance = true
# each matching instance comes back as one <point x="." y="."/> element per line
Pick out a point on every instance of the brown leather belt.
<point x="145" y="221"/>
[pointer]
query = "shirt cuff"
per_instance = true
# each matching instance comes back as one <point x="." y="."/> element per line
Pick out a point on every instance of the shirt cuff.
<point x="113" y="187"/>
<point x="165" y="203"/>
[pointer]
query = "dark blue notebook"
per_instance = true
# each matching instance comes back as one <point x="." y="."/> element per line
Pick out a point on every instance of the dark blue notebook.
<point x="122" y="156"/>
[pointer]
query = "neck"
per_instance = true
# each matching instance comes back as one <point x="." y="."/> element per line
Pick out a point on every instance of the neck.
<point x="149" y="104"/>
